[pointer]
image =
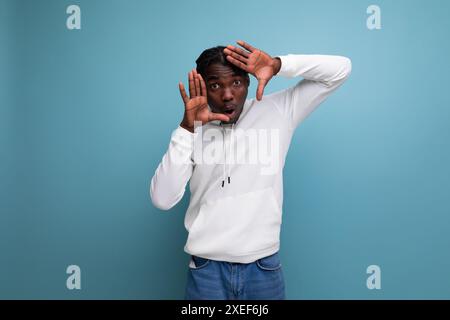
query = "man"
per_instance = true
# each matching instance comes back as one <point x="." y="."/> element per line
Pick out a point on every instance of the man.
<point x="235" y="209"/>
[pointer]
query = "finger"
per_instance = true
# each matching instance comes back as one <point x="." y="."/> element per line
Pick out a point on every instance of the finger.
<point x="197" y="84"/>
<point x="183" y="93"/>
<point x="235" y="55"/>
<point x="237" y="50"/>
<point x="246" y="45"/>
<point x="260" y="91"/>
<point x="191" y="85"/>
<point x="202" y="85"/>
<point x="237" y="63"/>
<point x="218" y="116"/>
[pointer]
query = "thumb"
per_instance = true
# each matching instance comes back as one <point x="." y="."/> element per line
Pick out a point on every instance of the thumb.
<point x="260" y="91"/>
<point x="218" y="116"/>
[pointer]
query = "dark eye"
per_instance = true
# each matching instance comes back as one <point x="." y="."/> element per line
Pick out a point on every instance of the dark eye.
<point x="237" y="82"/>
<point x="214" y="86"/>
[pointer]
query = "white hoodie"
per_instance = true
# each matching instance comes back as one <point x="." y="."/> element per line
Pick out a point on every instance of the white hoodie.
<point x="236" y="178"/>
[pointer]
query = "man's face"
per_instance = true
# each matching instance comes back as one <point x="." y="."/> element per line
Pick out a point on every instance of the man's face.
<point x="226" y="90"/>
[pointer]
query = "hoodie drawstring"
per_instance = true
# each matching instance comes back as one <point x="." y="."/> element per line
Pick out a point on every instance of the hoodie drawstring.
<point x="224" y="175"/>
<point x="225" y="154"/>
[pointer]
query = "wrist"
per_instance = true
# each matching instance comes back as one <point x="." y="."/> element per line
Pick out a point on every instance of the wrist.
<point x="276" y="65"/>
<point x="186" y="126"/>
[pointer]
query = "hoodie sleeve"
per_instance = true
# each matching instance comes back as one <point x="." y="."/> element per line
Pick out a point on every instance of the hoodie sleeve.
<point x="322" y="74"/>
<point x="168" y="184"/>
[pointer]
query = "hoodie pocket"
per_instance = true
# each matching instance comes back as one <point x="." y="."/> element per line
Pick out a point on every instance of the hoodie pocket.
<point x="238" y="225"/>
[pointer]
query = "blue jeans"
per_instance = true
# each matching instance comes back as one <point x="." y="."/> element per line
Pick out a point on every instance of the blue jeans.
<point x="218" y="280"/>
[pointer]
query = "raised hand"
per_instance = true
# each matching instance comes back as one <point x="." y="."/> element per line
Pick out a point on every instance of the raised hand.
<point x="256" y="62"/>
<point x="196" y="105"/>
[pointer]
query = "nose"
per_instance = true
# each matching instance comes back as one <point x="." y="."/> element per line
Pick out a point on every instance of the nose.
<point x="227" y="94"/>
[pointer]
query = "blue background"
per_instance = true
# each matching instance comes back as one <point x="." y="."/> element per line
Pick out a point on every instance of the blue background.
<point x="86" y="116"/>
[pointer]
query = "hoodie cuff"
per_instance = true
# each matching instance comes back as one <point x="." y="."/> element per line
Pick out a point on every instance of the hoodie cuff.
<point x="183" y="138"/>
<point x="289" y="65"/>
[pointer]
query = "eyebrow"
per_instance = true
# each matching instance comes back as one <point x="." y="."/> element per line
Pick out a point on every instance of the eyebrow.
<point x="214" y="77"/>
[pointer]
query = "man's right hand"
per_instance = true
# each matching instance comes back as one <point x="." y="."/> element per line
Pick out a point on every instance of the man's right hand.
<point x="196" y="106"/>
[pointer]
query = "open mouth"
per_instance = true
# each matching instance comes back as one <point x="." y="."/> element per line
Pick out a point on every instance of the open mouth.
<point x="230" y="110"/>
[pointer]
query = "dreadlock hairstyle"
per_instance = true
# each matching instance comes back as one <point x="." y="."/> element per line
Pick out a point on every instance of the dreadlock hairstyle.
<point x="216" y="55"/>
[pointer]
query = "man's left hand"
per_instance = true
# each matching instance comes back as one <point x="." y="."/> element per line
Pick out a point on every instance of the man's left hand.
<point x="256" y="62"/>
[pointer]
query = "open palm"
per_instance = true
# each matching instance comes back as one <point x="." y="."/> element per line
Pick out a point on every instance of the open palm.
<point x="254" y="61"/>
<point x="196" y="105"/>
